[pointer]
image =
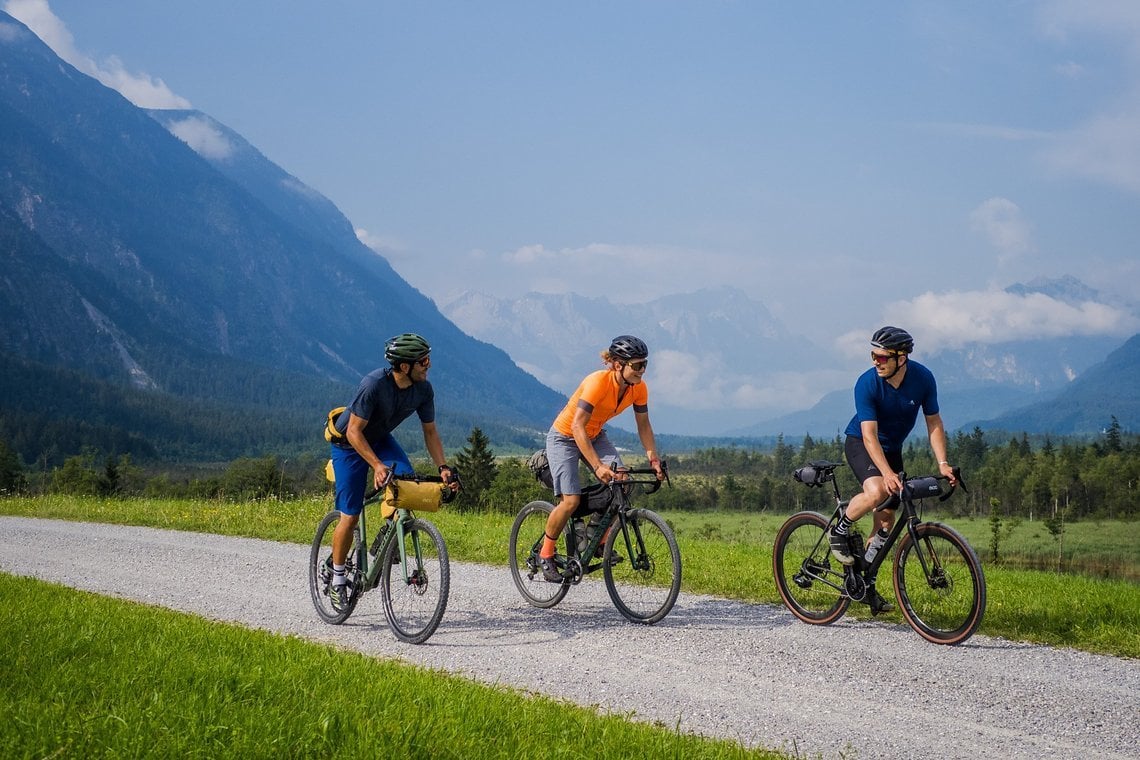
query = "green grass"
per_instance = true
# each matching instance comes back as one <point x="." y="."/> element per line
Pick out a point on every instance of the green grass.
<point x="723" y="554"/>
<point x="92" y="676"/>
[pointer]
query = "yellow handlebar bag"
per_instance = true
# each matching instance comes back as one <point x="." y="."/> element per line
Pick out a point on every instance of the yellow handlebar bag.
<point x="413" y="495"/>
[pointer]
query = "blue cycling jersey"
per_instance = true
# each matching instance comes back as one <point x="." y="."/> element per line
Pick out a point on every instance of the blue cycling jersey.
<point x="895" y="409"/>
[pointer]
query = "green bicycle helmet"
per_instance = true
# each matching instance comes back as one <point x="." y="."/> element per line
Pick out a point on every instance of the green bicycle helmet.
<point x="893" y="339"/>
<point x="406" y="347"/>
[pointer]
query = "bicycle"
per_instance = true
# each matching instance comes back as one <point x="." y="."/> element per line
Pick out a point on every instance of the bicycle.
<point x="407" y="559"/>
<point x="937" y="576"/>
<point x="635" y="549"/>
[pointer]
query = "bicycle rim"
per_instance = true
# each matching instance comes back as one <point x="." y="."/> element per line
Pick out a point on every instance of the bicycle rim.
<point x="945" y="600"/>
<point x="526" y="541"/>
<point x="320" y="571"/>
<point x="802" y="562"/>
<point x="415" y="590"/>
<point x="643" y="576"/>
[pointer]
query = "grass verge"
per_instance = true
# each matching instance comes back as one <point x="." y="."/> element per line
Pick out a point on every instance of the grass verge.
<point x="92" y="676"/>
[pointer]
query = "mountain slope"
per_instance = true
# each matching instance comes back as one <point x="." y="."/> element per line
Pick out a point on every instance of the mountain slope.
<point x="1106" y="390"/>
<point x="130" y="257"/>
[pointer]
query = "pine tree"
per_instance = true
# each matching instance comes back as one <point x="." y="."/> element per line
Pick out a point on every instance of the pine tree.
<point x="477" y="468"/>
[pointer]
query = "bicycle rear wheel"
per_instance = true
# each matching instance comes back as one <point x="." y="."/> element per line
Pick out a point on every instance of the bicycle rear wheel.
<point x="320" y="571"/>
<point x="940" y="584"/>
<point x="415" y="590"/>
<point x="804" y="569"/>
<point x="526" y="541"/>
<point x="643" y="575"/>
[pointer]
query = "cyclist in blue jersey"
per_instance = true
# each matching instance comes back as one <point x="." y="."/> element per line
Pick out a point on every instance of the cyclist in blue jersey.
<point x="386" y="397"/>
<point x="888" y="398"/>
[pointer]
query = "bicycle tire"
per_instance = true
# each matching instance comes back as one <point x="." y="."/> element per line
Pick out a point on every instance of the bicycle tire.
<point x="320" y="555"/>
<point x="415" y="589"/>
<point x="800" y="556"/>
<point x="643" y="587"/>
<point x="945" y="606"/>
<point x="529" y="528"/>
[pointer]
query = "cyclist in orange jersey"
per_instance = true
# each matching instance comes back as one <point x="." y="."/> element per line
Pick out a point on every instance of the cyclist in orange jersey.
<point x="578" y="433"/>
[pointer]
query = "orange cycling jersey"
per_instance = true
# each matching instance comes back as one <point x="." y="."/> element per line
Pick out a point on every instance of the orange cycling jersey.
<point x="601" y="394"/>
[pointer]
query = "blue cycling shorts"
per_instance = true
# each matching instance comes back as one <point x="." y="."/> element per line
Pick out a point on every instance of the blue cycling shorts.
<point x="351" y="471"/>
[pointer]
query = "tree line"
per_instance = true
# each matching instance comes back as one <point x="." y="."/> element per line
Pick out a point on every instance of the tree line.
<point x="1008" y="476"/>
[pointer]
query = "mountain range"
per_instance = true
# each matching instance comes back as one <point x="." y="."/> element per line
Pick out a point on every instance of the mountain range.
<point x="727" y="348"/>
<point x="138" y="254"/>
<point x="168" y="291"/>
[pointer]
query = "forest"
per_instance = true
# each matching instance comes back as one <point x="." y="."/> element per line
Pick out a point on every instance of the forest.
<point x="1008" y="476"/>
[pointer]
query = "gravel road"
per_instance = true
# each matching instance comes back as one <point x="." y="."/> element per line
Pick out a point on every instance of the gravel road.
<point x="751" y="673"/>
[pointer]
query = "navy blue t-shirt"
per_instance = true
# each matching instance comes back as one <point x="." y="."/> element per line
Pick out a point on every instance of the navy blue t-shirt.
<point x="895" y="409"/>
<point x="385" y="405"/>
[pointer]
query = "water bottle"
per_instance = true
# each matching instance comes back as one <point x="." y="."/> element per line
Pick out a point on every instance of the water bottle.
<point x="580" y="535"/>
<point x="877" y="542"/>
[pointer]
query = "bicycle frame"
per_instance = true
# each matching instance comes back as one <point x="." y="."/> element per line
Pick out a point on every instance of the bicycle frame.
<point x="908" y="520"/>
<point x="616" y="510"/>
<point x="391" y="529"/>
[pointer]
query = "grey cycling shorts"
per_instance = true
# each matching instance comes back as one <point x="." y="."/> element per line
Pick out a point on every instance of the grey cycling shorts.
<point x="563" y="454"/>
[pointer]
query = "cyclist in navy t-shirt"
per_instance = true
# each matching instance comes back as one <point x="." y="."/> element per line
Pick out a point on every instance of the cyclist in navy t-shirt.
<point x="888" y="398"/>
<point x="386" y="397"/>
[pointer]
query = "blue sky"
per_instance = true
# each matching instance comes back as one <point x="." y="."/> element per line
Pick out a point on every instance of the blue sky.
<point x="846" y="167"/>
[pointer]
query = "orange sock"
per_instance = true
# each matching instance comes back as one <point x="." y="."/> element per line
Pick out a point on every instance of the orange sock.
<point x="549" y="545"/>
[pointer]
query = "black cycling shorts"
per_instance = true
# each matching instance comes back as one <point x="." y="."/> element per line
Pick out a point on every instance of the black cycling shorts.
<point x="860" y="461"/>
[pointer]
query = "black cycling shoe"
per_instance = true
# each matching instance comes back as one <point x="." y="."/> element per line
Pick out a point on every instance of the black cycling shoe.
<point x="841" y="547"/>
<point x="877" y="603"/>
<point x="550" y="570"/>
<point x="338" y="595"/>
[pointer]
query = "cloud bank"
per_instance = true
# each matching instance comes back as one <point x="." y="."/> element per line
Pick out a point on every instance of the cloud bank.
<point x="142" y="90"/>
<point x="953" y="319"/>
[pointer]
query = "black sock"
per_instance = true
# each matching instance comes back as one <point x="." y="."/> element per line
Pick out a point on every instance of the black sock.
<point x="842" y="526"/>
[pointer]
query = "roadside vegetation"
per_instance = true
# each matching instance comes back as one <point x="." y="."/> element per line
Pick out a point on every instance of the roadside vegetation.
<point x="92" y="676"/>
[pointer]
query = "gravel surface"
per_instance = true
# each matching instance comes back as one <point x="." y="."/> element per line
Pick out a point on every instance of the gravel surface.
<point x="751" y="673"/>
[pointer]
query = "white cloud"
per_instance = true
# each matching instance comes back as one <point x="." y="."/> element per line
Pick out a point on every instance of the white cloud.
<point x="203" y="137"/>
<point x="382" y="244"/>
<point x="141" y="89"/>
<point x="688" y="381"/>
<point x="952" y="319"/>
<point x="1003" y="225"/>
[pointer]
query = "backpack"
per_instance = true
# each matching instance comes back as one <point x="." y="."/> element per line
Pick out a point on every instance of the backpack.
<point x="540" y="466"/>
<point x="332" y="435"/>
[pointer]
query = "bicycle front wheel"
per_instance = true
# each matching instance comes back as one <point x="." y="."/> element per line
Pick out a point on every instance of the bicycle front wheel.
<point x="320" y="571"/>
<point x="643" y="573"/>
<point x="526" y="542"/>
<point x="809" y="581"/>
<point x="415" y="589"/>
<point x="939" y="584"/>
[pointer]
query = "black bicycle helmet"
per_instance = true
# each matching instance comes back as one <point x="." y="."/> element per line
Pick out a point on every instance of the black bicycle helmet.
<point x="893" y="339"/>
<point x="628" y="347"/>
<point x="407" y="347"/>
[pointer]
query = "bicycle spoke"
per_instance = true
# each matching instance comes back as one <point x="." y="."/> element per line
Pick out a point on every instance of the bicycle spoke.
<point x="643" y="567"/>
<point x="415" y="589"/>
<point x="809" y="581"/>
<point x="320" y="571"/>
<point x="526" y="541"/>
<point x="940" y="585"/>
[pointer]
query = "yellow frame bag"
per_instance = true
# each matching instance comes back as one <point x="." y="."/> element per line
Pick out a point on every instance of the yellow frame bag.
<point x="414" y="495"/>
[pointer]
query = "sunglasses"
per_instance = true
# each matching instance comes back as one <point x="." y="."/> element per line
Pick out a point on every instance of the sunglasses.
<point x="882" y="358"/>
<point x="638" y="366"/>
<point x="424" y="362"/>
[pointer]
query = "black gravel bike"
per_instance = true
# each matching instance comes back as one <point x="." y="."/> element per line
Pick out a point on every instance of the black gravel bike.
<point x="406" y="558"/>
<point x="938" y="579"/>
<point x="634" y="548"/>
